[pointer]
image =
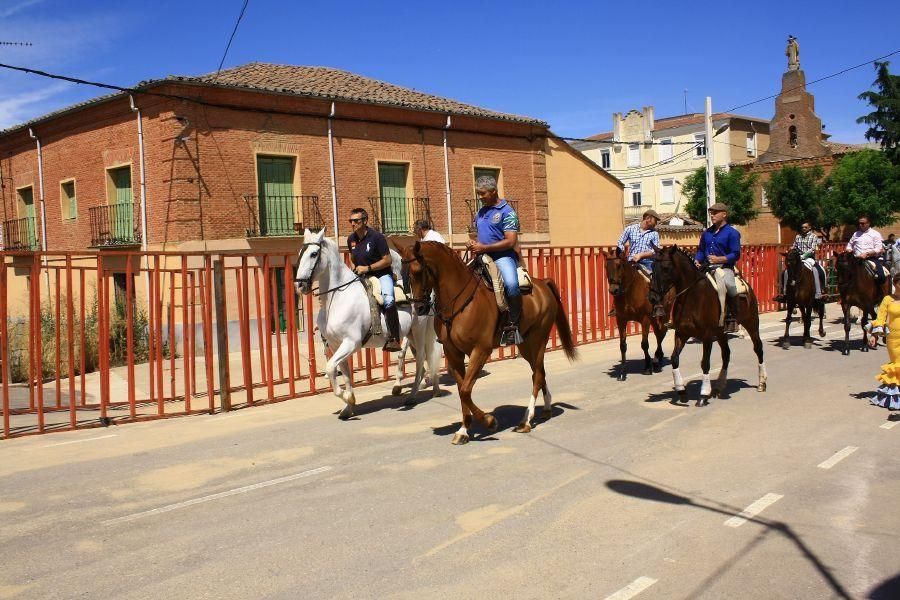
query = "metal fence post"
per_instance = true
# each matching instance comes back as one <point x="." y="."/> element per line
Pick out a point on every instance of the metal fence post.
<point x="222" y="334"/>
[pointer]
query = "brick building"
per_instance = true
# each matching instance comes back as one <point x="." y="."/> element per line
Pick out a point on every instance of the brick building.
<point x="247" y="158"/>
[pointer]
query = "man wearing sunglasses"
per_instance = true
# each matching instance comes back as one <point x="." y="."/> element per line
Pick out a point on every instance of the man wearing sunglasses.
<point x="371" y="257"/>
<point x="866" y="243"/>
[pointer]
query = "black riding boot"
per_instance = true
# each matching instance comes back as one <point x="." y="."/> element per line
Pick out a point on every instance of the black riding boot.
<point x="393" y="326"/>
<point x="511" y="335"/>
<point x="731" y="314"/>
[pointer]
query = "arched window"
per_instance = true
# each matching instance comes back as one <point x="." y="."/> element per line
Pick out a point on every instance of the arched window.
<point x="792" y="132"/>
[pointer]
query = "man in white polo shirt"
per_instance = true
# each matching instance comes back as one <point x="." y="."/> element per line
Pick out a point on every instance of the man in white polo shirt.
<point x="422" y="229"/>
<point x="866" y="243"/>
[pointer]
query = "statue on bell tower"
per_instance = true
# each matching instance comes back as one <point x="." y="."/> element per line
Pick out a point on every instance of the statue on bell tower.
<point x="793" y="54"/>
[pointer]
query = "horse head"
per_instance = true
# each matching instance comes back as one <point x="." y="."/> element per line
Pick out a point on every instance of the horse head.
<point x="421" y="279"/>
<point x="615" y="270"/>
<point x="793" y="262"/>
<point x="309" y="265"/>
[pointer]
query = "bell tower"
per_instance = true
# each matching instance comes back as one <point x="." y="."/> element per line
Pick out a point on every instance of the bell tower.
<point x="795" y="131"/>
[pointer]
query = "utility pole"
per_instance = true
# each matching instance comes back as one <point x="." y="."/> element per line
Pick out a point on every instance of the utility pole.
<point x="710" y="163"/>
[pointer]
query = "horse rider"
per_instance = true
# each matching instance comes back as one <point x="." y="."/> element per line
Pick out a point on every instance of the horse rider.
<point x="807" y="243"/>
<point x="639" y="242"/>
<point x="422" y="229"/>
<point x="498" y="235"/>
<point x="720" y="249"/>
<point x="867" y="243"/>
<point x="371" y="257"/>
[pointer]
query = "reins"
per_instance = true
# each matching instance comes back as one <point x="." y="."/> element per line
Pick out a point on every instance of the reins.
<point x="438" y="309"/>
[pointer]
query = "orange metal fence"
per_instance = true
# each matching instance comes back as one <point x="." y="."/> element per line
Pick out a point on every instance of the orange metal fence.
<point x="88" y="339"/>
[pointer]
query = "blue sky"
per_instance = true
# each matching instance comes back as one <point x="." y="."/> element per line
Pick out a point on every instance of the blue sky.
<point x="570" y="63"/>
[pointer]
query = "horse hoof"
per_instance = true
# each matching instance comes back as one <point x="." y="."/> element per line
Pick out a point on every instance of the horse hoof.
<point x="681" y="396"/>
<point x="716" y="393"/>
<point x="657" y="367"/>
<point x="491" y="423"/>
<point x="546" y="414"/>
<point x="786" y="345"/>
<point x="346" y="413"/>
<point x="620" y="377"/>
<point x="459" y="439"/>
<point x="703" y="401"/>
<point x="807" y="345"/>
<point x="761" y="387"/>
<point x="648" y="371"/>
<point x="865" y="348"/>
<point x="523" y="428"/>
<point x="396" y="390"/>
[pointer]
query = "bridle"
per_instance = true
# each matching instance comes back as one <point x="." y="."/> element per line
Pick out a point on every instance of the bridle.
<point x="308" y="280"/>
<point x="658" y="288"/>
<point x="438" y="309"/>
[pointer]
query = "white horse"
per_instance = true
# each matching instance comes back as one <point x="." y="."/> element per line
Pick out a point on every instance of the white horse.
<point x="345" y="316"/>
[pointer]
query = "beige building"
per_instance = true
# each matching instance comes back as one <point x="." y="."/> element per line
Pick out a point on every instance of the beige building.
<point x="653" y="157"/>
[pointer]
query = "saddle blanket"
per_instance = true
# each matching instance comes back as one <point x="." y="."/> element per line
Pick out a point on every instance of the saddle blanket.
<point x="716" y="278"/>
<point x="375" y="289"/>
<point x="525" y="283"/>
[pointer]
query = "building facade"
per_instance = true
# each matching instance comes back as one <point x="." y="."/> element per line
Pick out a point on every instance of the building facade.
<point x="653" y="157"/>
<point x="248" y="159"/>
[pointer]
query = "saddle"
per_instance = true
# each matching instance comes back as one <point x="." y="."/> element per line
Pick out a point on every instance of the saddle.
<point x="716" y="278"/>
<point x="491" y="276"/>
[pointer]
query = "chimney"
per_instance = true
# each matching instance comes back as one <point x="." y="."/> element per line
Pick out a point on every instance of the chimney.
<point x="617" y="126"/>
<point x="647" y="112"/>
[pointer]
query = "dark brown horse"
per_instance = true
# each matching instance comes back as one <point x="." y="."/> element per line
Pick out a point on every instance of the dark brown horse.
<point x="696" y="315"/>
<point x="858" y="288"/>
<point x="800" y="292"/>
<point x="468" y="323"/>
<point x="631" y="297"/>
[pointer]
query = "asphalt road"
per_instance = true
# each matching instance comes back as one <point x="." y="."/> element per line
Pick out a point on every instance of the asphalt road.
<point x="792" y="493"/>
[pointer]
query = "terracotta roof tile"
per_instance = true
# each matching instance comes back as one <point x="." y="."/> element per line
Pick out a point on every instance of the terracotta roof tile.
<point x="336" y="84"/>
<point x="681" y="121"/>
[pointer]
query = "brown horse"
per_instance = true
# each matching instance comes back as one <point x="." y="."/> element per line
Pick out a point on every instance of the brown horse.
<point x="696" y="315"/>
<point x="800" y="291"/>
<point x="858" y="288"/>
<point x="630" y="292"/>
<point x="468" y="323"/>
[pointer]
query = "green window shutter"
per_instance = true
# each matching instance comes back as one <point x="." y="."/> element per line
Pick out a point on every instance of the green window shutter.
<point x="30" y="234"/>
<point x="122" y="211"/>
<point x="70" y="205"/>
<point x="276" y="194"/>
<point x="392" y="189"/>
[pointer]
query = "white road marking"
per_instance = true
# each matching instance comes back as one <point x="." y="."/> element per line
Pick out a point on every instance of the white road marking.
<point x="240" y="490"/>
<point x="93" y="439"/>
<point x="632" y="589"/>
<point x="889" y="424"/>
<point x="838" y="457"/>
<point x="753" y="510"/>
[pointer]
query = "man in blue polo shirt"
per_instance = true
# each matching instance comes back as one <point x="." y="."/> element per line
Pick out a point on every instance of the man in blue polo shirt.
<point x="720" y="248"/>
<point x="372" y="258"/>
<point x="498" y="234"/>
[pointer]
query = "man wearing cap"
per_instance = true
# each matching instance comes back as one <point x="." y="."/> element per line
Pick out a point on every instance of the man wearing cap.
<point x="720" y="249"/>
<point x="639" y="240"/>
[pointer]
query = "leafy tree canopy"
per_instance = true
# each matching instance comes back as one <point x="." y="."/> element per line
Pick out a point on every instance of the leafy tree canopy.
<point x="863" y="183"/>
<point x="795" y="196"/>
<point x="734" y="188"/>
<point x="884" y="120"/>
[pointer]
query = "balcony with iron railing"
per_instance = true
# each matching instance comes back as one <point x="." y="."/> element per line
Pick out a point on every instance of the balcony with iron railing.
<point x="395" y="215"/>
<point x="114" y="225"/>
<point x="474" y="205"/>
<point x="20" y="234"/>
<point x="275" y="216"/>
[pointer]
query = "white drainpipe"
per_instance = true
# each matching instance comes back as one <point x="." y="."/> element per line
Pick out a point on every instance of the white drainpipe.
<point x="334" y="202"/>
<point x="447" y="179"/>
<point x="41" y="188"/>
<point x="140" y="126"/>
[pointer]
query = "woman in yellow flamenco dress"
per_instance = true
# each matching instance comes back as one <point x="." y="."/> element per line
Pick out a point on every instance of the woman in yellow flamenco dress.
<point x="888" y="325"/>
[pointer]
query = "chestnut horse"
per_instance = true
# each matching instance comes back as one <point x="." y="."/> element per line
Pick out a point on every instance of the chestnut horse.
<point x="696" y="315"/>
<point x="468" y="323"/>
<point x="857" y="287"/>
<point x="630" y="292"/>
<point x="800" y="291"/>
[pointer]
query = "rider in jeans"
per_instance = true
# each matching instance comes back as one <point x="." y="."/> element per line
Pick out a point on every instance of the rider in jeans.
<point x="720" y="248"/>
<point x="372" y="258"/>
<point x="498" y="234"/>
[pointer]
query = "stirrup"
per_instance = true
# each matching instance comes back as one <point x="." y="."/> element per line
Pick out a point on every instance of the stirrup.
<point x="780" y="299"/>
<point x="510" y="336"/>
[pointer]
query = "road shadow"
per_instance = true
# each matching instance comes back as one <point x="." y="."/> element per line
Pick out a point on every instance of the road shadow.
<point x="889" y="589"/>
<point x="508" y="416"/>
<point x="405" y="402"/>
<point x="644" y="491"/>
<point x="633" y="366"/>
<point x="447" y="379"/>
<point x="693" y="392"/>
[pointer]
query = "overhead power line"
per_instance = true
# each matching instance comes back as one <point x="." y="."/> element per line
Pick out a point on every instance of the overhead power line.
<point x="15" y="43"/>
<point x="835" y="74"/>
<point x="231" y="39"/>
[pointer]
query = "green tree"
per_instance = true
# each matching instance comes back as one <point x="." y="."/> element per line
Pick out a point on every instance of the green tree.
<point x="796" y="195"/>
<point x="863" y="183"/>
<point x="884" y="121"/>
<point x="734" y="188"/>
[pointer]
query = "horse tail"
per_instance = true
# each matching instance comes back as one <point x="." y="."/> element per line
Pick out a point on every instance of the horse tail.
<point x="562" y="323"/>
